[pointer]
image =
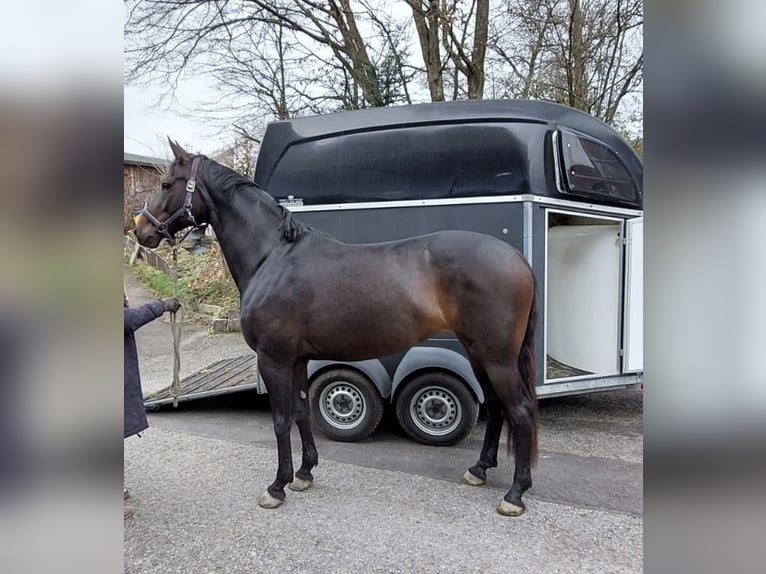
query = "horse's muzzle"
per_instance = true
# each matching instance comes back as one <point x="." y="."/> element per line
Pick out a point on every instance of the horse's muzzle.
<point x="146" y="233"/>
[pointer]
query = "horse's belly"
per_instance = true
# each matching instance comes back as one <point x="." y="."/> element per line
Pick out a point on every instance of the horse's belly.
<point x="357" y="348"/>
<point x="358" y="334"/>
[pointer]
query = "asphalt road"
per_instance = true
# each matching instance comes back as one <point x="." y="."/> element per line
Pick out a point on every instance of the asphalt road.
<point x="386" y="504"/>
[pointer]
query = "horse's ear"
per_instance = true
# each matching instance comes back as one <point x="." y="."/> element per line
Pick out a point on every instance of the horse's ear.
<point x="179" y="152"/>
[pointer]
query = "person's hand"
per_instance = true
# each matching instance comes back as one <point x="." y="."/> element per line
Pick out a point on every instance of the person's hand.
<point x="171" y="304"/>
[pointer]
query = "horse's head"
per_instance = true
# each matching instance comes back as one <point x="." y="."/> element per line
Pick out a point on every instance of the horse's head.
<point x="177" y="205"/>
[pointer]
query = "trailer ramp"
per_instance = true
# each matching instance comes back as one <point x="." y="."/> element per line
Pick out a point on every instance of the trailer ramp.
<point x="220" y="378"/>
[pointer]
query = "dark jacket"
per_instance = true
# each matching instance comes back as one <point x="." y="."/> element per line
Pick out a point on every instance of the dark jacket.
<point x="135" y="416"/>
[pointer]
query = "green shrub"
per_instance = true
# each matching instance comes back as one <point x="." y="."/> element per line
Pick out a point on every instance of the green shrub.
<point x="161" y="284"/>
<point x="201" y="279"/>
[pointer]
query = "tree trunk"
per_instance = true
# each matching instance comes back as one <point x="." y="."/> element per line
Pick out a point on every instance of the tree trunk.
<point x="426" y="17"/>
<point x="363" y="70"/>
<point x="577" y="81"/>
<point x="476" y="68"/>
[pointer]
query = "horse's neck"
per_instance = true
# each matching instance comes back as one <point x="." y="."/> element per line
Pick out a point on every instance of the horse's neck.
<point x="246" y="225"/>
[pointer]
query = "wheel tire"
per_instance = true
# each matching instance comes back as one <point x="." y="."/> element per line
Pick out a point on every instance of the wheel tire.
<point x="436" y="408"/>
<point x="345" y="405"/>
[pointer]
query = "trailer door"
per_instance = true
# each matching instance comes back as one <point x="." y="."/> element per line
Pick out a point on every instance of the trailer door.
<point x="633" y="320"/>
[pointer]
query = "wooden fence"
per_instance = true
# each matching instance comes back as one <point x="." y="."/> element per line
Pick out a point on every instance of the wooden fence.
<point x="148" y="256"/>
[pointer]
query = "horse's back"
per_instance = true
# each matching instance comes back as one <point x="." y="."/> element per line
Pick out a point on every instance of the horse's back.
<point x="460" y="241"/>
<point x="437" y="257"/>
<point x="468" y="252"/>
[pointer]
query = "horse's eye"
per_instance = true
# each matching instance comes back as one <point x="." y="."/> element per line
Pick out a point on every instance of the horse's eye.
<point x="165" y="185"/>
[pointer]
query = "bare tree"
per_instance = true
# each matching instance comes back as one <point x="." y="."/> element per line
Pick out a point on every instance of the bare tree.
<point x="260" y="75"/>
<point x="453" y="42"/>
<point x="395" y="70"/>
<point x="586" y="54"/>
<point x="266" y="50"/>
<point x="282" y="58"/>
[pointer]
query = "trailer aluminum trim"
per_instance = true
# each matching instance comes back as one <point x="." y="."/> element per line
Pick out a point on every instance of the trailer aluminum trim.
<point x="528" y="235"/>
<point x="589" y="386"/>
<point x="464" y="201"/>
<point x="633" y="358"/>
<point x="579" y="205"/>
<point x="557" y="162"/>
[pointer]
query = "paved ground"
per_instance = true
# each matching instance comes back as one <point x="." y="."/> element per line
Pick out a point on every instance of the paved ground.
<point x="384" y="505"/>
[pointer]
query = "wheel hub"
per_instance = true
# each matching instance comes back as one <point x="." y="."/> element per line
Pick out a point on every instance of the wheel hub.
<point x="342" y="405"/>
<point x="435" y="411"/>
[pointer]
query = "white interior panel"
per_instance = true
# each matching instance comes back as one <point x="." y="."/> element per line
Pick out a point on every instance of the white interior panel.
<point x="583" y="286"/>
<point x="634" y="296"/>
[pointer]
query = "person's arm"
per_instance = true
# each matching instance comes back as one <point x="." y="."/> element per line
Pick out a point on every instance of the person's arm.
<point x="140" y="316"/>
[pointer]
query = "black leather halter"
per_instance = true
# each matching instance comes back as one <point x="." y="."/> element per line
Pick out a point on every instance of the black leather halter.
<point x="184" y="210"/>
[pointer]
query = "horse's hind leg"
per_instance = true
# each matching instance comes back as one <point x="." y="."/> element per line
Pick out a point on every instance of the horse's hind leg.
<point x="278" y="380"/>
<point x="520" y="410"/>
<point x="309" y="458"/>
<point x="477" y="474"/>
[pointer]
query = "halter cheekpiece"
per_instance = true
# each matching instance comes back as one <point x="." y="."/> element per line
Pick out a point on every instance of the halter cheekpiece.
<point x="184" y="210"/>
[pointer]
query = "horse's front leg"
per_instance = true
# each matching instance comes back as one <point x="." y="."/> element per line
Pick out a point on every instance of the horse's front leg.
<point x="278" y="379"/>
<point x="303" y="478"/>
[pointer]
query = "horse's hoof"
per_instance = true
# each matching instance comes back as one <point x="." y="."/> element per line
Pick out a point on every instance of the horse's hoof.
<point x="507" y="509"/>
<point x="268" y="501"/>
<point x="472" y="480"/>
<point x="299" y="485"/>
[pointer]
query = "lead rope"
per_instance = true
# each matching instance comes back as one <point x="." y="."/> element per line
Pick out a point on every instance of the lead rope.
<point x="175" y="327"/>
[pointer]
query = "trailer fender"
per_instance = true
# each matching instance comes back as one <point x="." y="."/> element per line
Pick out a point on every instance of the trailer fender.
<point x="425" y="358"/>
<point x="371" y="368"/>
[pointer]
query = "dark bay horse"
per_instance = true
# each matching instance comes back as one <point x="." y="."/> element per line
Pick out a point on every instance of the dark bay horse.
<point x="302" y="293"/>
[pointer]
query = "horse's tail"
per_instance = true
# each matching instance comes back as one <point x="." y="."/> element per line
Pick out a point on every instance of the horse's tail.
<point x="526" y="364"/>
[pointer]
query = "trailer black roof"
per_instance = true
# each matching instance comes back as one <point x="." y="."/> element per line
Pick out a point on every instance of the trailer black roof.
<point x="463" y="110"/>
<point x="284" y="133"/>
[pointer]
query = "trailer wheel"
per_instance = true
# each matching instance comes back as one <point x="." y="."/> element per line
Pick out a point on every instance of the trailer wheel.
<point x="436" y="408"/>
<point x="345" y="405"/>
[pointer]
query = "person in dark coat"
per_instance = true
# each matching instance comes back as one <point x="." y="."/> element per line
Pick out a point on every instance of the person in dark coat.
<point x="134" y="414"/>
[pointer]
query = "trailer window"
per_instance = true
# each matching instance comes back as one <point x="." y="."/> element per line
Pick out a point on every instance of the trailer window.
<point x="592" y="169"/>
<point x="423" y="162"/>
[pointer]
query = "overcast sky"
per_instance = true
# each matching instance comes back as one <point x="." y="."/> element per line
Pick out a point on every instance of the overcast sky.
<point x="147" y="125"/>
<point x="148" y="122"/>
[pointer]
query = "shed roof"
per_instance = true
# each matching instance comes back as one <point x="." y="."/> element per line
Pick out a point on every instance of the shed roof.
<point x="143" y="160"/>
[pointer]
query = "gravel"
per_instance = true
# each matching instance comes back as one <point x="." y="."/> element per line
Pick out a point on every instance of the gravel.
<point x="195" y="502"/>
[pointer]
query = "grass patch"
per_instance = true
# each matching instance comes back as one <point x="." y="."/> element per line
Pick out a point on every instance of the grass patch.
<point x="202" y="278"/>
<point x="161" y="284"/>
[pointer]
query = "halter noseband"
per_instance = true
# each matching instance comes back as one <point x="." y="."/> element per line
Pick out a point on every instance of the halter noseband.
<point x="185" y="209"/>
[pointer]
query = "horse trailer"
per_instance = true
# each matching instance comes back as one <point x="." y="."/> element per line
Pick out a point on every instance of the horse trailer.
<point x="559" y="185"/>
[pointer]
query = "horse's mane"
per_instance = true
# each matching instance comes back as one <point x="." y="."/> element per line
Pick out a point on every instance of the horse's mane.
<point x="290" y="230"/>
